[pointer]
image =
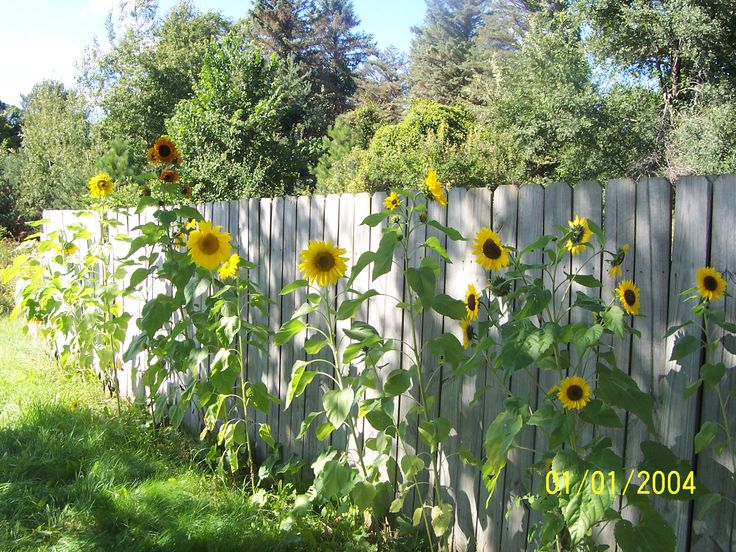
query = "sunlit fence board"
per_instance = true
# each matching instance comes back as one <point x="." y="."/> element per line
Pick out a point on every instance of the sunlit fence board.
<point x="669" y="242"/>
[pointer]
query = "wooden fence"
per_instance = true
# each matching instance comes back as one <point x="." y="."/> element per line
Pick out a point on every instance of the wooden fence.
<point x="672" y="233"/>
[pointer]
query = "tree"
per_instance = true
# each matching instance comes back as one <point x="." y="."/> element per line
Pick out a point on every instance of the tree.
<point x="439" y="60"/>
<point x="383" y="83"/>
<point x="9" y="126"/>
<point x="56" y="150"/>
<point x="245" y="130"/>
<point x="681" y="44"/>
<point x="148" y="70"/>
<point x="321" y="39"/>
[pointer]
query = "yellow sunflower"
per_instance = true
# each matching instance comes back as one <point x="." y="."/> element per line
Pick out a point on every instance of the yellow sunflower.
<point x="574" y="393"/>
<point x="711" y="284"/>
<point x="434" y="188"/>
<point x="70" y="249"/>
<point x="468" y="332"/>
<point x="580" y="234"/>
<point x="617" y="261"/>
<point x="208" y="246"/>
<point x="230" y="267"/>
<point x="100" y="185"/>
<point x="169" y="176"/>
<point x="472" y="302"/>
<point x="191" y="224"/>
<point x="322" y="262"/>
<point x="392" y="201"/>
<point x="490" y="252"/>
<point x="151" y="155"/>
<point x="628" y="294"/>
<point x="165" y="151"/>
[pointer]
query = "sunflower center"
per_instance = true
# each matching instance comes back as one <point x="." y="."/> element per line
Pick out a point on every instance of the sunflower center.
<point x="710" y="283"/>
<point x="577" y="233"/>
<point x="630" y="297"/>
<point x="101" y="184"/>
<point x="164" y="150"/>
<point x="209" y="244"/>
<point x="471" y="302"/>
<point x="574" y="392"/>
<point x="491" y="249"/>
<point x="324" y="261"/>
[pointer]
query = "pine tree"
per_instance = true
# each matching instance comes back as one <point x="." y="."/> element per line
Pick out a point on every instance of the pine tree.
<point x="383" y="83"/>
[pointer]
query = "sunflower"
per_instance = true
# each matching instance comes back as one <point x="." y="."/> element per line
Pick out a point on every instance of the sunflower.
<point x="151" y="155"/>
<point x="186" y="191"/>
<point x="574" y="393"/>
<point x="490" y="252"/>
<point x="392" y="201"/>
<point x="169" y="176"/>
<point x="165" y="151"/>
<point x="628" y="294"/>
<point x="711" y="284"/>
<point x="322" y="262"/>
<point x="100" y="185"/>
<point x="70" y="249"/>
<point x="472" y="302"/>
<point x="500" y="286"/>
<point x="208" y="246"/>
<point x="468" y="333"/>
<point x="579" y="235"/>
<point x="191" y="224"/>
<point x="434" y="188"/>
<point x="230" y="267"/>
<point x="618" y="260"/>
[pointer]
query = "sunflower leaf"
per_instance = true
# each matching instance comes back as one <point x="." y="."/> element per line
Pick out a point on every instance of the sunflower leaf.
<point x="376" y="218"/>
<point x="293" y="286"/>
<point x="685" y="346"/>
<point x="289" y="330"/>
<point x="451" y="233"/>
<point x="384" y="256"/>
<point x="618" y="389"/>
<point x="434" y="244"/>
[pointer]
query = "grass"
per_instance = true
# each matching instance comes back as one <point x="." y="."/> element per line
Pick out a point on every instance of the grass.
<point x="75" y="476"/>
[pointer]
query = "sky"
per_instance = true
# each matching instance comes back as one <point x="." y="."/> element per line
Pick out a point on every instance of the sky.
<point x="44" y="39"/>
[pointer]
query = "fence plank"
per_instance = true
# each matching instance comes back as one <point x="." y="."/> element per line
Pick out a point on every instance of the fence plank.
<point x="718" y="530"/>
<point x="275" y="369"/>
<point x="286" y="434"/>
<point x="675" y="416"/>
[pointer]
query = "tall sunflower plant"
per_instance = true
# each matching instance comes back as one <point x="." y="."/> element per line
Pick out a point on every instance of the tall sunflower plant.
<point x="70" y="287"/>
<point x="363" y="385"/>
<point x="548" y="328"/>
<point x="710" y="337"/>
<point x="196" y="336"/>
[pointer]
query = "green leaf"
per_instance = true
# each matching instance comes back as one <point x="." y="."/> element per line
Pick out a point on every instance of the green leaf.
<point x="499" y="440"/>
<point x="289" y="330"/>
<point x="363" y="494"/>
<point x="685" y="346"/>
<point x="323" y="431"/>
<point x="706" y="434"/>
<point x="674" y="329"/>
<point x="376" y="218"/>
<point x="658" y="457"/>
<point x="448" y="347"/>
<point x="337" y="403"/>
<point x="712" y="374"/>
<point x="540" y="243"/>
<point x="434" y="244"/>
<point x="300" y="378"/>
<point x="314" y="344"/>
<point x="422" y="281"/>
<point x="411" y="465"/>
<point x="155" y="314"/>
<point x="599" y="413"/>
<point x="451" y="233"/>
<point x="447" y="306"/>
<point x="264" y="432"/>
<point x="306" y="423"/>
<point x="196" y="287"/>
<point x="613" y="319"/>
<point x="441" y="518"/>
<point x="349" y="307"/>
<point x="618" y="389"/>
<point x="293" y="286"/>
<point x="585" y="280"/>
<point x="138" y="276"/>
<point x="385" y="254"/>
<point x="363" y="261"/>
<point x="397" y="382"/>
<point x="692" y="388"/>
<point x="651" y="534"/>
<point x="537" y="299"/>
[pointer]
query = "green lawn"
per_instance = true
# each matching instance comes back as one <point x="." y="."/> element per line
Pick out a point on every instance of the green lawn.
<point x="76" y="476"/>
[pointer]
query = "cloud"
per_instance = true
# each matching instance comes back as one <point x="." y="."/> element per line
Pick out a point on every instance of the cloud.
<point x="32" y="58"/>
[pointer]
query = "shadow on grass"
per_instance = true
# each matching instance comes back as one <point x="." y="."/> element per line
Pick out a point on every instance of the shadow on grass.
<point x="81" y="480"/>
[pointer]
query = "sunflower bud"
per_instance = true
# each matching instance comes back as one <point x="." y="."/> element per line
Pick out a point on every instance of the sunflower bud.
<point x="423" y="218"/>
<point x="500" y="286"/>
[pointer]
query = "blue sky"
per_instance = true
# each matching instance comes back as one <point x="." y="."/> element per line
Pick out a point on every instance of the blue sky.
<point x="44" y="39"/>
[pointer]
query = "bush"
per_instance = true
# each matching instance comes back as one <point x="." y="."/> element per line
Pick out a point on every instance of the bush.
<point x="7" y="254"/>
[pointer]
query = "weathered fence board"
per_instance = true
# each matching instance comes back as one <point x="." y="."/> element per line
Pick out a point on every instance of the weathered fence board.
<point x="662" y="262"/>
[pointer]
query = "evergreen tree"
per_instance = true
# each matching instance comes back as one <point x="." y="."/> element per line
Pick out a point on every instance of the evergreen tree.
<point x="440" y="60"/>
<point x="383" y="83"/>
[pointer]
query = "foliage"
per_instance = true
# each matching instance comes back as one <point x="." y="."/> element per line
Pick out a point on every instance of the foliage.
<point x="68" y="463"/>
<point x="148" y="66"/>
<point x="11" y="221"/>
<point x="245" y="130"/>
<point x="383" y="83"/>
<point x="7" y="254"/>
<point x="55" y="152"/>
<point x="9" y="126"/>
